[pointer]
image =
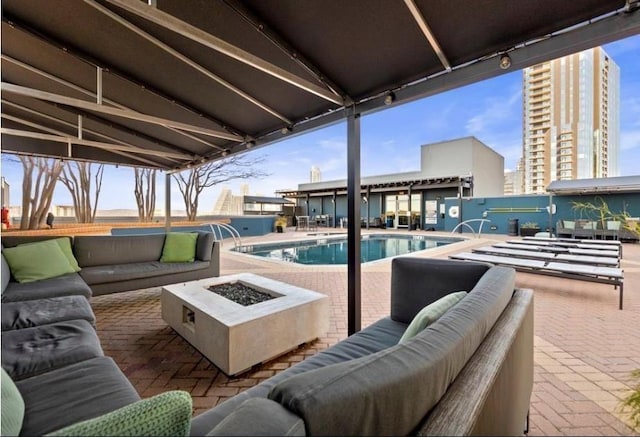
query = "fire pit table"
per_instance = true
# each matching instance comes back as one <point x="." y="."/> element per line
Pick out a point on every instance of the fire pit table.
<point x="236" y="337"/>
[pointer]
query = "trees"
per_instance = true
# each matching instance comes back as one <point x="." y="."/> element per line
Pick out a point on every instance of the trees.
<point x="145" y="192"/>
<point x="39" y="180"/>
<point x="193" y="181"/>
<point x="77" y="177"/>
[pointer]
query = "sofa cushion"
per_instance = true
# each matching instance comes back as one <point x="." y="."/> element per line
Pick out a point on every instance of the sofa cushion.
<point x="166" y="414"/>
<point x="65" y="245"/>
<point x="402" y="382"/>
<point x="204" y="246"/>
<point x="12" y="406"/>
<point x="101" y="250"/>
<point x="179" y="247"/>
<point x="270" y="418"/>
<point x="29" y="313"/>
<point x="126" y="272"/>
<point x="65" y="285"/>
<point x="431" y="313"/>
<point x="380" y="335"/>
<point x="37" y="261"/>
<point x="417" y="282"/>
<point x="73" y="393"/>
<point x="31" y="351"/>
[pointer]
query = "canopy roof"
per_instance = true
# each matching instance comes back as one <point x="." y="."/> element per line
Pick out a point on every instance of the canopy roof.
<point x="622" y="184"/>
<point x="179" y="82"/>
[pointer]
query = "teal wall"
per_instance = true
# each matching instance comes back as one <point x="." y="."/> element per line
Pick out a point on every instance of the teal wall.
<point x="531" y="208"/>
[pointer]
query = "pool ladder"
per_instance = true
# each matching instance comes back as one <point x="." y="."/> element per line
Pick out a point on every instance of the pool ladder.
<point x="228" y="228"/>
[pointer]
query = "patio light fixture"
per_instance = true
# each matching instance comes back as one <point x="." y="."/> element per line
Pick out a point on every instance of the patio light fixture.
<point x="389" y="98"/>
<point x="505" y="61"/>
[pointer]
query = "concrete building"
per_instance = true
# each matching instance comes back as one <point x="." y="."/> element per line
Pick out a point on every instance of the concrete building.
<point x="5" y="193"/>
<point x="571" y="122"/>
<point x="464" y="166"/>
<point x="315" y="175"/>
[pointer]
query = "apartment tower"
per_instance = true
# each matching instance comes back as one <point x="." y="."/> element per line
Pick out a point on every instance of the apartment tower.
<point x="571" y="122"/>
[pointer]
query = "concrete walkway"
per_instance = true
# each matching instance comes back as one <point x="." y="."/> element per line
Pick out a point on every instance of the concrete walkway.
<point x="585" y="348"/>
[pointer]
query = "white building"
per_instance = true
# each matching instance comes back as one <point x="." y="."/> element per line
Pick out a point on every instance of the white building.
<point x="315" y="176"/>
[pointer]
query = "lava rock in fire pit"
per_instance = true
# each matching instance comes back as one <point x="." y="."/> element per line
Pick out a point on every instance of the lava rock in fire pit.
<point x="240" y="293"/>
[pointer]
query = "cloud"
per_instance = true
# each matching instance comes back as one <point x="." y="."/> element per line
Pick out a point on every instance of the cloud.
<point x="495" y="112"/>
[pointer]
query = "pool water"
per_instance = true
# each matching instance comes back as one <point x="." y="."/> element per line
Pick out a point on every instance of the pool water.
<point x="334" y="251"/>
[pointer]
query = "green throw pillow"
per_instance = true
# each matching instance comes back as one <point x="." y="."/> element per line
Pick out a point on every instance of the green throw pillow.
<point x="179" y="247"/>
<point x="166" y="414"/>
<point x="12" y="407"/>
<point x="37" y="261"/>
<point x="65" y="246"/>
<point x="431" y="313"/>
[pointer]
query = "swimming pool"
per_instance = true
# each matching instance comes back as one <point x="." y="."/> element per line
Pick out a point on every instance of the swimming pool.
<point x="334" y="250"/>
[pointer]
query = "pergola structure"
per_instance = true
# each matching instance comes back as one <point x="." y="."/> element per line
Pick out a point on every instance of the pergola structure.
<point x="170" y="84"/>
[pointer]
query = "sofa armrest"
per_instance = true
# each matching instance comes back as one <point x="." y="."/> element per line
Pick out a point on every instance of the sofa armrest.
<point x="491" y="395"/>
<point x="417" y="282"/>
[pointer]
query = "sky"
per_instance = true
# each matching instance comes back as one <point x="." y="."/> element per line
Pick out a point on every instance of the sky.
<point x="390" y="139"/>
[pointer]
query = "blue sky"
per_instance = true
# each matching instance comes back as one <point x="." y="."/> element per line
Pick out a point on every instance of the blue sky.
<point x="391" y="139"/>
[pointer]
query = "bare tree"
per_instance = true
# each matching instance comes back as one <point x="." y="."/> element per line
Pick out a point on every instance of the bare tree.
<point x="193" y="181"/>
<point x="145" y="191"/>
<point x="77" y="177"/>
<point x="38" y="182"/>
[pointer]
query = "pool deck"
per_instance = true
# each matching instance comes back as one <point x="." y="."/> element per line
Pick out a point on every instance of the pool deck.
<point x="585" y="348"/>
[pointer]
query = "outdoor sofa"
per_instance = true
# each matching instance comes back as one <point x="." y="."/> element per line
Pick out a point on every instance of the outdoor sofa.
<point x="110" y="264"/>
<point x="469" y="372"/>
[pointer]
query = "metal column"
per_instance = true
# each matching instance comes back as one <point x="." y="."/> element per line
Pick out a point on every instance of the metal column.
<point x="353" y="217"/>
<point x="167" y="202"/>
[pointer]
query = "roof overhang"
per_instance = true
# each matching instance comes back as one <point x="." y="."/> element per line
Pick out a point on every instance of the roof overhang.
<point x="181" y="82"/>
<point x="622" y="184"/>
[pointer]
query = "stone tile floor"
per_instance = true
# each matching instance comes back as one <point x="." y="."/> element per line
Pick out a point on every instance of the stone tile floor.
<point x="585" y="348"/>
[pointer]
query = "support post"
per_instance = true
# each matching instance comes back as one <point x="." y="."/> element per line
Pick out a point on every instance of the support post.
<point x="368" y="205"/>
<point x="167" y="202"/>
<point x="335" y="218"/>
<point x="353" y="225"/>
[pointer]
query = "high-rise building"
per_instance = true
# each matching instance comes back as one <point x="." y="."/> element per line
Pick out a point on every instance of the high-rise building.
<point x="315" y="174"/>
<point x="571" y="123"/>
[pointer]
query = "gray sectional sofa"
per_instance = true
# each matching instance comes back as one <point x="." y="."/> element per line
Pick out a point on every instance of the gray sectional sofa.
<point x="470" y="372"/>
<point x="50" y="348"/>
<point x="117" y="263"/>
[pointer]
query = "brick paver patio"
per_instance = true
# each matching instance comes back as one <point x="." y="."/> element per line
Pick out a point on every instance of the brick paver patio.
<point x="585" y="348"/>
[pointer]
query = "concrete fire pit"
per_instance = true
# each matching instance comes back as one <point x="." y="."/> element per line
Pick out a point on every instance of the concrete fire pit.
<point x="236" y="337"/>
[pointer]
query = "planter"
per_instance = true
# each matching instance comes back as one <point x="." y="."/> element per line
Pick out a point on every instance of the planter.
<point x="529" y="232"/>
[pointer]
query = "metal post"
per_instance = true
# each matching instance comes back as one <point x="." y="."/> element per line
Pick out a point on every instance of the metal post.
<point x="353" y="226"/>
<point x="551" y="215"/>
<point x="167" y="202"/>
<point x="307" y="209"/>
<point x="335" y="221"/>
<point x="368" y="205"/>
<point x="409" y="211"/>
<point x="99" y="85"/>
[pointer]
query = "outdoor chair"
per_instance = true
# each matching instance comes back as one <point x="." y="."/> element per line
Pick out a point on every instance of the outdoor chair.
<point x="585" y="229"/>
<point x="611" y="230"/>
<point x="565" y="228"/>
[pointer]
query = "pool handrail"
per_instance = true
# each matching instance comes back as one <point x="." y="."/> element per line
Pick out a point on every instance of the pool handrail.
<point x="237" y="242"/>
<point x="466" y="223"/>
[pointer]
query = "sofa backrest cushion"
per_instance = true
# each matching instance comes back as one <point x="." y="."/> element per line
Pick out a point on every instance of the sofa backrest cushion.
<point x="403" y="382"/>
<point x="260" y="414"/>
<point x="417" y="282"/>
<point x="204" y="246"/>
<point x="100" y="250"/>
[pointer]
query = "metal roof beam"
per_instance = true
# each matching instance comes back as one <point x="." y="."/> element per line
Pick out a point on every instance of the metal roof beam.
<point x="124" y="113"/>
<point x="200" y="36"/>
<point x="94" y="95"/>
<point x="74" y="140"/>
<point x="176" y="54"/>
<point x="424" y="27"/>
<point x="66" y="123"/>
